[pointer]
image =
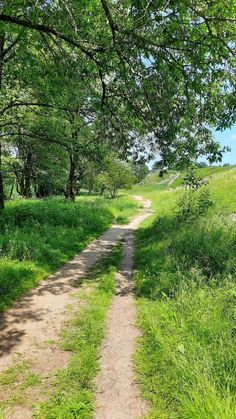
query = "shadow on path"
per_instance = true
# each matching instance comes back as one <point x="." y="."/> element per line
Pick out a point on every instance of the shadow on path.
<point x="38" y="316"/>
<point x="31" y="318"/>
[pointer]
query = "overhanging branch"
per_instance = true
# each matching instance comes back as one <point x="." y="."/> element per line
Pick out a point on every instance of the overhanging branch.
<point x="36" y="137"/>
<point x="45" y="105"/>
<point x="111" y="22"/>
<point x="52" y="31"/>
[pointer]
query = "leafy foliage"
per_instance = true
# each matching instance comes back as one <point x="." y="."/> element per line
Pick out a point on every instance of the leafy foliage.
<point x="196" y="199"/>
<point x="193" y="203"/>
<point x="137" y="76"/>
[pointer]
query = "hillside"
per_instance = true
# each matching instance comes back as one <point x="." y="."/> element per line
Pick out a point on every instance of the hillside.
<point x="186" y="289"/>
<point x="205" y="172"/>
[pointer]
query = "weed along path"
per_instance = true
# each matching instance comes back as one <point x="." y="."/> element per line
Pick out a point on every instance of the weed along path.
<point x="37" y="319"/>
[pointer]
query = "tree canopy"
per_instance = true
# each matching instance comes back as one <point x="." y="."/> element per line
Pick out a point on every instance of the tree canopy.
<point x="81" y="79"/>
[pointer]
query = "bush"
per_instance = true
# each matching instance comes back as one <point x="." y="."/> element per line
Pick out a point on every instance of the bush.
<point x="193" y="202"/>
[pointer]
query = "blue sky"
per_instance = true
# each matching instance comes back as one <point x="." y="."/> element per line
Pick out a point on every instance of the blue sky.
<point x="227" y="138"/>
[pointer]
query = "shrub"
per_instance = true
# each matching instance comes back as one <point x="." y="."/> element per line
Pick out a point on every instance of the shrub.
<point x="193" y="202"/>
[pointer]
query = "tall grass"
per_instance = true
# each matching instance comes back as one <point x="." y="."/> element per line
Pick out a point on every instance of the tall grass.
<point x="185" y="281"/>
<point x="36" y="237"/>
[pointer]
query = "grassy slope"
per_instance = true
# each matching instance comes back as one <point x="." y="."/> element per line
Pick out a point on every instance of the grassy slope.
<point x="36" y="237"/>
<point x="204" y="172"/>
<point x="155" y="178"/>
<point x="186" y="286"/>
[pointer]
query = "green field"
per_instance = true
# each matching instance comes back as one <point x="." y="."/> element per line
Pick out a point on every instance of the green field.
<point x="186" y="292"/>
<point x="38" y="236"/>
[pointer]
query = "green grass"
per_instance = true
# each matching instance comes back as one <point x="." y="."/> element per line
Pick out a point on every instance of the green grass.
<point x="73" y="392"/>
<point x="186" y="290"/>
<point x="153" y="183"/>
<point x="123" y="208"/>
<point x="38" y="236"/>
<point x="10" y="375"/>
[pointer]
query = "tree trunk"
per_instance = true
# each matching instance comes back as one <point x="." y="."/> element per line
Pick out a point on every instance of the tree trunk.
<point x="72" y="179"/>
<point x="113" y="193"/>
<point x="2" y="199"/>
<point x="12" y="189"/>
<point x="24" y="175"/>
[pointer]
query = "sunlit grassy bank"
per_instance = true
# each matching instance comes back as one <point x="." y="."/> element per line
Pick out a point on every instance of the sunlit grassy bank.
<point x="204" y="172"/>
<point x="36" y="237"/>
<point x="186" y="306"/>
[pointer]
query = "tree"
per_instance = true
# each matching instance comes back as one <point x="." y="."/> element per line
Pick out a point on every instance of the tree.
<point x="141" y="170"/>
<point x="118" y="175"/>
<point x="101" y="183"/>
<point x="154" y="71"/>
<point x="201" y="164"/>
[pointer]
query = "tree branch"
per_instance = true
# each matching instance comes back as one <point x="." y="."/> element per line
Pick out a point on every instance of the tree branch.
<point x="45" y="105"/>
<point x="112" y="24"/>
<point x="12" y="45"/>
<point x="52" y="31"/>
<point x="35" y="136"/>
<point x="103" y="86"/>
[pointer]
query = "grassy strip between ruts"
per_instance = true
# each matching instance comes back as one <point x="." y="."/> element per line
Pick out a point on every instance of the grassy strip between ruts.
<point x="185" y="280"/>
<point x="73" y="388"/>
<point x="38" y="236"/>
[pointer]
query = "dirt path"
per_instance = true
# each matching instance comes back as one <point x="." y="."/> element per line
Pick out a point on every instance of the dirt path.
<point x="172" y="179"/>
<point x="36" y="320"/>
<point x="117" y="393"/>
<point x="38" y="316"/>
